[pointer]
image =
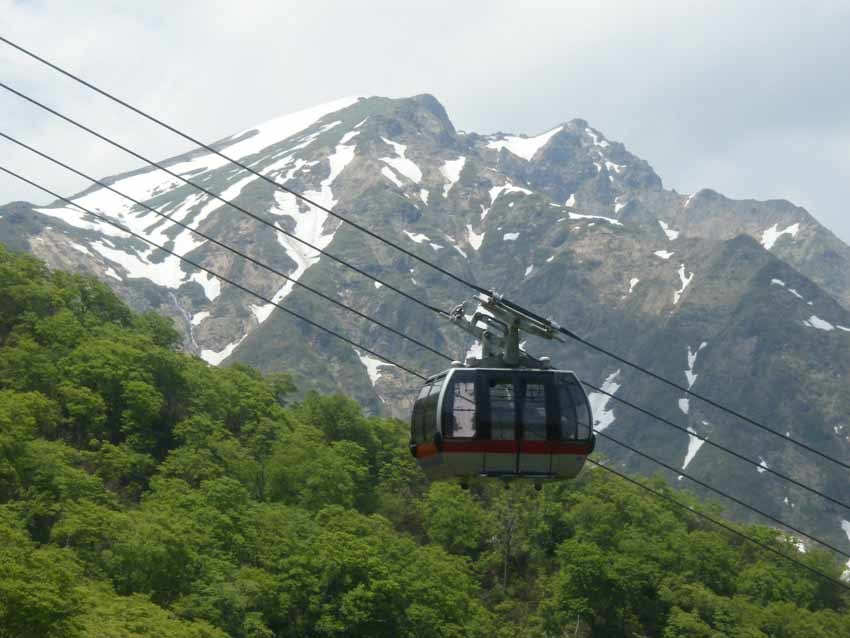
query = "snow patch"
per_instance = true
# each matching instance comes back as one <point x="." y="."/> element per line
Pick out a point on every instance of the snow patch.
<point x="618" y="168"/>
<point x="685" y="281"/>
<point x="456" y="247"/>
<point x="692" y="361"/>
<point x="210" y="284"/>
<point x="671" y="234"/>
<point x="309" y="224"/>
<point x="504" y="189"/>
<point x="762" y="468"/>
<point x="373" y="365"/>
<point x="529" y="270"/>
<point x="510" y="236"/>
<point x="423" y="195"/>
<point x="79" y="248"/>
<point x="167" y="273"/>
<point x="475" y="240"/>
<point x="603" y="417"/>
<point x="400" y="163"/>
<point x="349" y="136"/>
<point x="417" y="238"/>
<point x="524" y="147"/>
<point x="277" y="130"/>
<point x="597" y="141"/>
<point x="779" y="282"/>
<point x="769" y="236"/>
<point x="632" y="283"/>
<point x="214" y="358"/>
<point x="386" y="172"/>
<point x="663" y="254"/>
<point x="571" y="200"/>
<point x="685" y="406"/>
<point x="199" y="317"/>
<point x="451" y="170"/>
<point x="816" y="322"/>
<point x="694" y="444"/>
<point x="610" y="220"/>
<point x="261" y="312"/>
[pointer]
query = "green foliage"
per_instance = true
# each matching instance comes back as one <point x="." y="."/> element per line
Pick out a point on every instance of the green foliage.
<point x="143" y="493"/>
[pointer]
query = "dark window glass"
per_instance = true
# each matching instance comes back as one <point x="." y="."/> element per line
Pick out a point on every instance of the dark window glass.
<point x="534" y="411"/>
<point x="502" y="409"/>
<point x="425" y="390"/>
<point x="429" y="410"/>
<point x="569" y="426"/>
<point x="582" y="410"/>
<point x="417" y="421"/>
<point x="462" y="412"/>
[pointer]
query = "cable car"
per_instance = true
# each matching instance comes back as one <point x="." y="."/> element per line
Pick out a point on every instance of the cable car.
<point x="501" y="422"/>
<point x="506" y="414"/>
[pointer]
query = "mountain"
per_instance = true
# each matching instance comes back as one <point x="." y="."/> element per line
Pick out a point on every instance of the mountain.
<point x="748" y="302"/>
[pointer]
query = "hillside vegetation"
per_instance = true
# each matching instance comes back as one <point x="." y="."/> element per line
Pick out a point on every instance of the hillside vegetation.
<point x="144" y="493"/>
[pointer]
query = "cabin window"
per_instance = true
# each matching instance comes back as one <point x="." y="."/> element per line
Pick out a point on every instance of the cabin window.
<point x="534" y="412"/>
<point x="582" y="410"/>
<point x="417" y="423"/>
<point x="569" y="425"/>
<point x="424" y="418"/>
<point x="502" y="409"/>
<point x="460" y="409"/>
<point x="429" y="410"/>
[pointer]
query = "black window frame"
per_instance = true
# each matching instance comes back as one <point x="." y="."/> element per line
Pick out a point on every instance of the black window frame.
<point x="486" y="412"/>
<point x="460" y="376"/>
<point x="551" y="416"/>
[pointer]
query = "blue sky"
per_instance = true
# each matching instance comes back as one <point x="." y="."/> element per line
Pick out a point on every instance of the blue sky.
<point x="750" y="99"/>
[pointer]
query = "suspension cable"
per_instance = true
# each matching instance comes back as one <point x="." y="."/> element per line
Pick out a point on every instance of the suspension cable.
<point x="421" y="376"/>
<point x="235" y="251"/>
<point x="235" y="162"/>
<point x="213" y="273"/>
<point x="734" y="499"/>
<point x="728" y="528"/>
<point x="387" y="242"/>
<point x="393" y="330"/>
<point x="704" y="439"/>
<point x="253" y="216"/>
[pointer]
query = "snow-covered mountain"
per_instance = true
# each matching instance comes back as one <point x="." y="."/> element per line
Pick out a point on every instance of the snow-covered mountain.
<point x="744" y="301"/>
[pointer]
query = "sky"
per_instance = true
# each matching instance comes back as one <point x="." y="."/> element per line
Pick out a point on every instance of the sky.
<point x="747" y="98"/>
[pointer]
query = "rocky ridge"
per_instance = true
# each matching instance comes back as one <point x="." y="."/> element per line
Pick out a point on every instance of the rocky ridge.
<point x="744" y="301"/>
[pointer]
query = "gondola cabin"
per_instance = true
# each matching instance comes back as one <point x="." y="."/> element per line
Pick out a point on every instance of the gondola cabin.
<point x="501" y="422"/>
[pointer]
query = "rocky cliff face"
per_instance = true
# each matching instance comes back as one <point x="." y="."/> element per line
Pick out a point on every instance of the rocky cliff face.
<point x="745" y="301"/>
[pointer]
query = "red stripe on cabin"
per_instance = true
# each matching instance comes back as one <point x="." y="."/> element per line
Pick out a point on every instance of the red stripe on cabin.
<point x="424" y="450"/>
<point x="512" y="447"/>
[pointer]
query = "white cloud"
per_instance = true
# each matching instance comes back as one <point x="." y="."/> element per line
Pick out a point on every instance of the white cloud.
<point x="771" y="99"/>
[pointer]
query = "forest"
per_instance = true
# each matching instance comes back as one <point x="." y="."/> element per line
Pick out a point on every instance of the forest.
<point x="145" y="493"/>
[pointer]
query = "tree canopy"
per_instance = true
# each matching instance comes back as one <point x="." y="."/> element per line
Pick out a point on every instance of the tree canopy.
<point x="145" y="493"/>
